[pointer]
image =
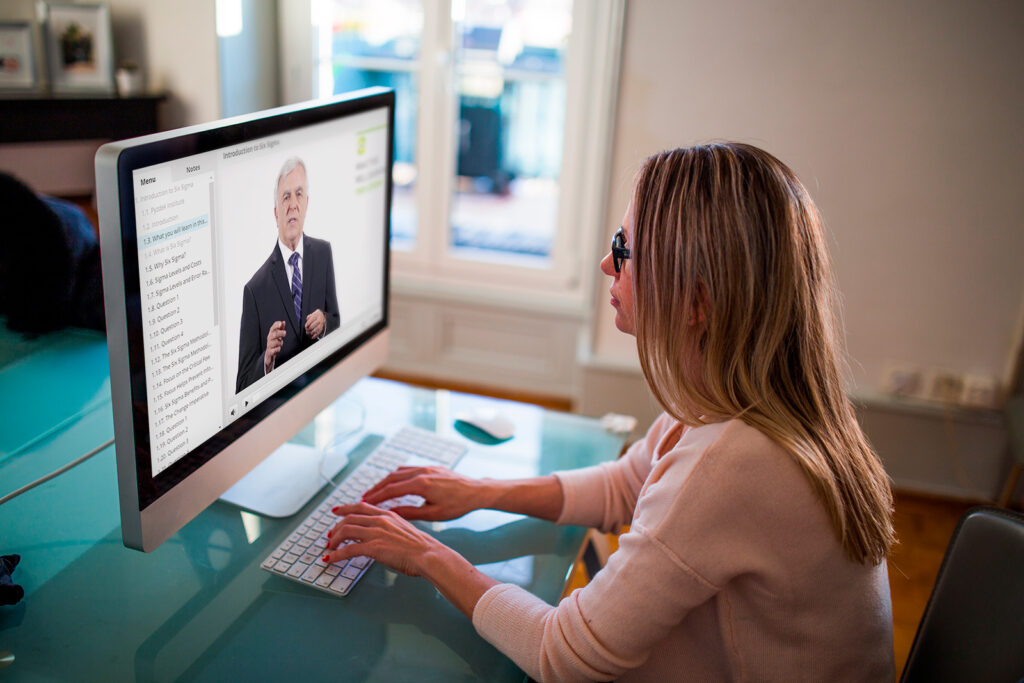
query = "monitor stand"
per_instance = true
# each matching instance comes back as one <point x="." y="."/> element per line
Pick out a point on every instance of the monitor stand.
<point x="286" y="480"/>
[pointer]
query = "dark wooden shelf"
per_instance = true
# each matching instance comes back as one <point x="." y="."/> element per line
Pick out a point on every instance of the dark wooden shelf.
<point x="37" y="118"/>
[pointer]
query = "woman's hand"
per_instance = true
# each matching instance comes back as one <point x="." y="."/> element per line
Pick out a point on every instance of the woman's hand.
<point x="391" y="540"/>
<point x="382" y="535"/>
<point x="446" y="495"/>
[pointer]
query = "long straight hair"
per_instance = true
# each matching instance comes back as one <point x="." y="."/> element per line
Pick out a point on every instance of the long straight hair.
<point x="736" y="318"/>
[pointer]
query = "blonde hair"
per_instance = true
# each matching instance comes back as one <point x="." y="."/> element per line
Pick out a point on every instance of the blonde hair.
<point x="735" y="318"/>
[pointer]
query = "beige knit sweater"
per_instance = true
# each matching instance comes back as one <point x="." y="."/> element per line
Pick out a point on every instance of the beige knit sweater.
<point x="731" y="571"/>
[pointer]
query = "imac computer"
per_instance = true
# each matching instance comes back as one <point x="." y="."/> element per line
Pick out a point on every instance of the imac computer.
<point x="223" y="343"/>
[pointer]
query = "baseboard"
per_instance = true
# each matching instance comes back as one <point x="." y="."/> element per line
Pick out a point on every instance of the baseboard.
<point x="946" y="452"/>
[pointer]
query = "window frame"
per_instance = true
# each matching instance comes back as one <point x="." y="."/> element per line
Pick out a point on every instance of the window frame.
<point x="591" y="77"/>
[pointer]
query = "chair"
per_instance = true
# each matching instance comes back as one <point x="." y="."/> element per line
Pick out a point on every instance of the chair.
<point x="973" y="627"/>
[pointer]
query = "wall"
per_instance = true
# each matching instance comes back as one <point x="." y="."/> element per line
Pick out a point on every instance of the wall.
<point x="903" y="119"/>
<point x="176" y="44"/>
<point x="249" y="61"/>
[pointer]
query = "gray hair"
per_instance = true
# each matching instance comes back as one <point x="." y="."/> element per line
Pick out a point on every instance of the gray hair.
<point x="290" y="165"/>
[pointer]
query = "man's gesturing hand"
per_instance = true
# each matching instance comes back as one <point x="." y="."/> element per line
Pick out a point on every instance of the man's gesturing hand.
<point x="316" y="323"/>
<point x="446" y="495"/>
<point x="275" y="340"/>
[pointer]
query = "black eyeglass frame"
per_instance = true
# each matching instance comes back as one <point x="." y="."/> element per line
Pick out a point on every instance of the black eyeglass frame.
<point x="619" y="251"/>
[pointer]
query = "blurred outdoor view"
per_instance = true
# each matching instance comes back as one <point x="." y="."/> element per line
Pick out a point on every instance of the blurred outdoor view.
<point x="509" y="75"/>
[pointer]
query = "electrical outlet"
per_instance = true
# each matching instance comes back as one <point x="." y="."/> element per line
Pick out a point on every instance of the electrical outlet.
<point x="903" y="380"/>
<point x="945" y="386"/>
<point x="980" y="391"/>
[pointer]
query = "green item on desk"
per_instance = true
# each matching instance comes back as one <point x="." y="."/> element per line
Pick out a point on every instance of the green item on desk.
<point x="476" y="434"/>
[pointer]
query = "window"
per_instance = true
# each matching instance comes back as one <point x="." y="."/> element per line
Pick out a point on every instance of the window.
<point x="504" y="111"/>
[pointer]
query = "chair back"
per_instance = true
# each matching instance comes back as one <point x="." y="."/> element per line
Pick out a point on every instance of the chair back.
<point x="973" y="627"/>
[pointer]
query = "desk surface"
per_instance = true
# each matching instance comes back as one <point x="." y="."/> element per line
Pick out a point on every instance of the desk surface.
<point x="199" y="607"/>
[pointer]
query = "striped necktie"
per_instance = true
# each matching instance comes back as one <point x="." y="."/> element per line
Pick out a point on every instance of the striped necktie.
<point x="296" y="287"/>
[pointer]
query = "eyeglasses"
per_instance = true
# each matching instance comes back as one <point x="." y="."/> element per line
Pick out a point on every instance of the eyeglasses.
<point x="619" y="251"/>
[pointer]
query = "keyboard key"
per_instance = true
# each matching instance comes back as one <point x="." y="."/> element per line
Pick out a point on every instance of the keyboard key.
<point x="340" y="584"/>
<point x="351" y="571"/>
<point x="312" y="574"/>
<point x="298" y="569"/>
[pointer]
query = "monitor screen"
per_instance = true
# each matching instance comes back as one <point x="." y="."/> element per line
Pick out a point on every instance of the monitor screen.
<point x="245" y="268"/>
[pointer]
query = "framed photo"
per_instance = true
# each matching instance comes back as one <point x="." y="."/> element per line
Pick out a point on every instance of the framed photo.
<point x="79" y="47"/>
<point x="17" y="56"/>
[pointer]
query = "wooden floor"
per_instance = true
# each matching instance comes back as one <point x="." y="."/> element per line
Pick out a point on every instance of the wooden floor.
<point x="924" y="526"/>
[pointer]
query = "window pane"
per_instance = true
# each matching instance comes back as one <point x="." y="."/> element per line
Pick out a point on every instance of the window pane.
<point x="510" y="71"/>
<point x="377" y="42"/>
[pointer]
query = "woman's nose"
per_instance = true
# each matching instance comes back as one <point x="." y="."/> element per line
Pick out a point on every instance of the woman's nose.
<point x="607" y="267"/>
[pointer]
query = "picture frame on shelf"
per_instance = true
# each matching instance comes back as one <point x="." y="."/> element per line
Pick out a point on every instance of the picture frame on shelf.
<point x="79" y="48"/>
<point x="17" y="57"/>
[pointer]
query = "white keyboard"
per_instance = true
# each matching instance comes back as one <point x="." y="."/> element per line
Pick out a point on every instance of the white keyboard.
<point x="300" y="556"/>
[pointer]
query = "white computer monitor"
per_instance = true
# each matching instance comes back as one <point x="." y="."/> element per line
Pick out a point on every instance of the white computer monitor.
<point x="194" y="277"/>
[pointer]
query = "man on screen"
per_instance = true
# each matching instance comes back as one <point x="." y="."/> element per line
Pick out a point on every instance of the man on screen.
<point x="291" y="301"/>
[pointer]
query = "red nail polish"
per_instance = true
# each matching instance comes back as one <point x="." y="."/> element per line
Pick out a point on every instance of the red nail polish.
<point x="326" y="558"/>
<point x="335" y="509"/>
<point x="329" y="533"/>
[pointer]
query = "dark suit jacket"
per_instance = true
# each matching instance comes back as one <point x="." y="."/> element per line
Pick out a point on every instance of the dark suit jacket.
<point x="267" y="298"/>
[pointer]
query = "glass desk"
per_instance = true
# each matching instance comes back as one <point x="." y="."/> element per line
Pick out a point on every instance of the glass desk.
<point x="199" y="607"/>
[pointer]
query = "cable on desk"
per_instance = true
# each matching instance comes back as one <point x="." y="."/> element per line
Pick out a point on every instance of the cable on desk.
<point x="56" y="429"/>
<point x="55" y="473"/>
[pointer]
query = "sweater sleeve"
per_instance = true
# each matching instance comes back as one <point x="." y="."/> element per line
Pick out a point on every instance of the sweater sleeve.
<point x="610" y="625"/>
<point x="605" y="496"/>
<point x="599" y="631"/>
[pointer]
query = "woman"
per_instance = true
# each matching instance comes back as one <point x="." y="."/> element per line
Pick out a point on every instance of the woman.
<point x="760" y="517"/>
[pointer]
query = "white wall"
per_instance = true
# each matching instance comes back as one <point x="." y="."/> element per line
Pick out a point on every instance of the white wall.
<point x="249" y="61"/>
<point x="905" y="122"/>
<point x="176" y="45"/>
